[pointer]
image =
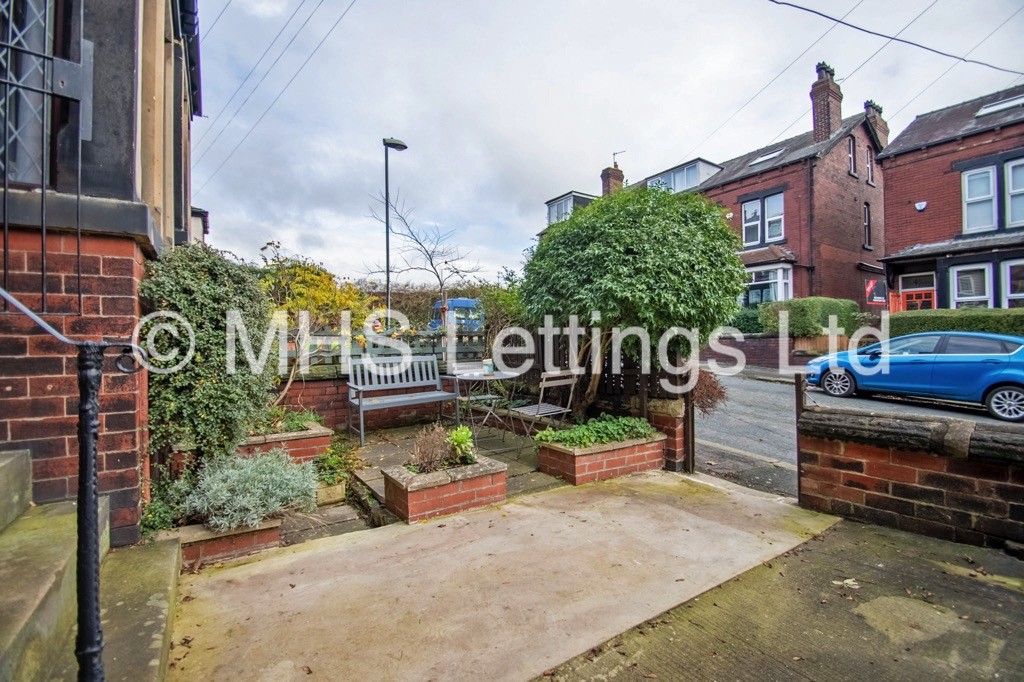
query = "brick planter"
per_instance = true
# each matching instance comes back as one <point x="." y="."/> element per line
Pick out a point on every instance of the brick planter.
<point x="600" y="462"/>
<point x="413" y="497"/>
<point x="301" y="446"/>
<point x="207" y="546"/>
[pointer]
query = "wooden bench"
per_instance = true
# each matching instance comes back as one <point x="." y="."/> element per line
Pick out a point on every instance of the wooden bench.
<point x="377" y="375"/>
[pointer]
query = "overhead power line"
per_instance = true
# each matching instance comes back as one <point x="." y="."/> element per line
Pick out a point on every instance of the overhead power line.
<point x="956" y="64"/>
<point x="266" y="73"/>
<point x="279" y="95"/>
<point x="768" y="84"/>
<point x="896" y="39"/>
<point x="224" y="9"/>
<point x="245" y="80"/>
<point x="859" y="66"/>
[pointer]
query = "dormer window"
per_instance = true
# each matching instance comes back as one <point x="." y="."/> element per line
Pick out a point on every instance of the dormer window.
<point x="678" y="180"/>
<point x="559" y="210"/>
<point x="1001" y="105"/>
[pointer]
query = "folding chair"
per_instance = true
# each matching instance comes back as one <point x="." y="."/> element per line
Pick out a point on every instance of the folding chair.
<point x="534" y="413"/>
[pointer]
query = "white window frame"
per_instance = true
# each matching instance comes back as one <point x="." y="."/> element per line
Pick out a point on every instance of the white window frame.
<point x="663" y="179"/>
<point x="869" y="163"/>
<point x="781" y="217"/>
<point x="917" y="274"/>
<point x="867" y="225"/>
<point x="1010" y="192"/>
<point x="852" y="153"/>
<point x="783" y="279"/>
<point x="991" y="197"/>
<point x="554" y="206"/>
<point x="1005" y="277"/>
<point x="744" y="223"/>
<point x="954" y="297"/>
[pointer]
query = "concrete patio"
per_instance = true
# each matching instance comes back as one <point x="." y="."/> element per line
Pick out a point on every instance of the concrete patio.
<point x="501" y="593"/>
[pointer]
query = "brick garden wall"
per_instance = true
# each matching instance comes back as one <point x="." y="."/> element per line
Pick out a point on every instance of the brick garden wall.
<point x="760" y="351"/>
<point x="945" y="478"/>
<point x="601" y="462"/>
<point x="38" y="375"/>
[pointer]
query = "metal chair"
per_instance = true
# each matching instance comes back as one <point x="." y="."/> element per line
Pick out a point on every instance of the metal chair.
<point x="541" y="410"/>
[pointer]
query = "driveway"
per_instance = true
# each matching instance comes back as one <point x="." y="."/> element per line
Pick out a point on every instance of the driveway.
<point x="751" y="439"/>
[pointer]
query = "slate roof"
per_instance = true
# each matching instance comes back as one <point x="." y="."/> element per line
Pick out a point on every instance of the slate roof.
<point x="951" y="246"/>
<point x="955" y="121"/>
<point x="773" y="253"/>
<point x="794" y="149"/>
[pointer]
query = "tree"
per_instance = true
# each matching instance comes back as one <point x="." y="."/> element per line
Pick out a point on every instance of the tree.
<point x="641" y="257"/>
<point x="502" y="302"/>
<point x="296" y="284"/>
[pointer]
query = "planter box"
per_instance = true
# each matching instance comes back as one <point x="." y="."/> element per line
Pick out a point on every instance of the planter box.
<point x="413" y="497"/>
<point x="302" y="446"/>
<point x="207" y="546"/>
<point x="329" y="494"/>
<point x="600" y="462"/>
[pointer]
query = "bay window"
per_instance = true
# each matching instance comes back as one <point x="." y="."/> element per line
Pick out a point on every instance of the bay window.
<point x="766" y="284"/>
<point x="971" y="286"/>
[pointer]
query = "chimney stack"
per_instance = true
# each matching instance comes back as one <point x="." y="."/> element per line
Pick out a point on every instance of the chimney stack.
<point x="826" y="103"/>
<point x="611" y="179"/>
<point x="874" y="114"/>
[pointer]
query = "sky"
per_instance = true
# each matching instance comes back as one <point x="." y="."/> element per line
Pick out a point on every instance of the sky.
<point x="505" y="105"/>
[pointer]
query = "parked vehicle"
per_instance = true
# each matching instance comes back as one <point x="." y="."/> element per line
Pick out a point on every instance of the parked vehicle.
<point x="965" y="366"/>
<point x="469" y="315"/>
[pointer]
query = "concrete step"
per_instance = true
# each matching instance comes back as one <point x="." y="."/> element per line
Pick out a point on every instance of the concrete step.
<point x="37" y="587"/>
<point x="15" y="485"/>
<point x="138" y="594"/>
<point x="324" y="522"/>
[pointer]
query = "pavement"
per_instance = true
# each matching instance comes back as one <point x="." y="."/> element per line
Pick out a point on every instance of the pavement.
<point x="859" y="602"/>
<point x="503" y="593"/>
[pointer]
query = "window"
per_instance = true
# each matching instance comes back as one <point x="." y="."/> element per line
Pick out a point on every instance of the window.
<point x="917" y="291"/>
<point x="1015" y="193"/>
<point x="867" y="225"/>
<point x="765" y="285"/>
<point x="679" y="180"/>
<point x="973" y="345"/>
<point x="1013" y="284"/>
<point x="1001" y="105"/>
<point x="869" y="163"/>
<point x="763" y="220"/>
<point x="972" y="286"/>
<point x="917" y="282"/>
<point x="919" y="345"/>
<point x="853" y="154"/>
<point x="767" y="156"/>
<point x="979" y="199"/>
<point x="559" y="210"/>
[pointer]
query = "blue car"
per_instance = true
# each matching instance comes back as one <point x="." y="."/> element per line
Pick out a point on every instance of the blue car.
<point x="966" y="366"/>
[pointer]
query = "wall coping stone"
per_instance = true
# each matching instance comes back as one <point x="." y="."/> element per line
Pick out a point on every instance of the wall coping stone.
<point x="313" y="430"/>
<point x="604" y="447"/>
<point x="190" y="535"/>
<point x="409" y="481"/>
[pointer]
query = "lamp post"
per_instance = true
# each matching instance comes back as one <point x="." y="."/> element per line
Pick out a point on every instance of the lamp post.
<point x="398" y="146"/>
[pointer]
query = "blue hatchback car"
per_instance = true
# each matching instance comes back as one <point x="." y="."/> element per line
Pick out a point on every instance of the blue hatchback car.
<point x="964" y="366"/>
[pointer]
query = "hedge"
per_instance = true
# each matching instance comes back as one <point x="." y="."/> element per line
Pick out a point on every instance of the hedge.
<point x="747" y="321"/>
<point x="995" y="321"/>
<point x="809" y="316"/>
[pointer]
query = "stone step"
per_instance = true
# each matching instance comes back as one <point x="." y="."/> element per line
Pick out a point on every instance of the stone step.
<point x="324" y="522"/>
<point x="15" y="485"/>
<point x="138" y="595"/>
<point x="37" y="587"/>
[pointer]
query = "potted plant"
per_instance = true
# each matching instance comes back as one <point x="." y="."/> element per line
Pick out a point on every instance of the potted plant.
<point x="444" y="475"/>
<point x="601" y="448"/>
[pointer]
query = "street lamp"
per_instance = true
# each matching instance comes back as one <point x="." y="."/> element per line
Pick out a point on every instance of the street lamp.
<point x="398" y="146"/>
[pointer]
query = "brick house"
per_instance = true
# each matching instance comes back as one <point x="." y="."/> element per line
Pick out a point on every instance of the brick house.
<point x="807" y="209"/>
<point x="96" y="163"/>
<point x="954" y="206"/>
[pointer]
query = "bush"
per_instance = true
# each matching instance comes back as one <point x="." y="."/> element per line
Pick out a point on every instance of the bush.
<point x="201" y="404"/>
<point x="809" y="316"/>
<point x="232" y="492"/>
<point x="603" y="429"/>
<point x="166" y="506"/>
<point x="435" y="449"/>
<point x="999" y="321"/>
<point x="278" y="419"/>
<point x="748" y="321"/>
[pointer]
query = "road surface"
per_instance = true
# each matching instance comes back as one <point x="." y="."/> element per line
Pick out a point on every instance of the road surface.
<point x="751" y="438"/>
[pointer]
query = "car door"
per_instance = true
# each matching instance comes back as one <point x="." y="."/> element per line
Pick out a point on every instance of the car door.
<point x="967" y="365"/>
<point x="906" y="368"/>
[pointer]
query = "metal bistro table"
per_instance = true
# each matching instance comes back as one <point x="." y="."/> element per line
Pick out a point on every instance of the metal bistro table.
<point x="487" y="399"/>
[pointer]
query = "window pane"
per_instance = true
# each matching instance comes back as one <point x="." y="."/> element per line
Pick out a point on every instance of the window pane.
<point x="971" y="283"/>
<point x="751" y="211"/>
<point x="1017" y="208"/>
<point x="773" y="206"/>
<point x="775" y="228"/>
<point x="1015" y="279"/>
<point x="921" y="345"/>
<point x="979" y="214"/>
<point x="973" y="345"/>
<point x="691" y="176"/>
<point x="925" y="281"/>
<point x="972" y="304"/>
<point x="1015" y="177"/>
<point x="979" y="185"/>
<point x="751" y="222"/>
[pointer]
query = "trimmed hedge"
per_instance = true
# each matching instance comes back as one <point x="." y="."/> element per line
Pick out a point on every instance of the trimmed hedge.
<point x="809" y="316"/>
<point x="994" y="321"/>
<point x="747" y="320"/>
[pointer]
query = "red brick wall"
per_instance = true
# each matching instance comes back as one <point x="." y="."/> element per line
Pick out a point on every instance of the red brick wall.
<point x="241" y="544"/>
<point x="38" y="375"/>
<point x="450" y="498"/>
<point x="928" y="175"/>
<point x="300" y="449"/>
<point x="976" y="502"/>
<point x="760" y="352"/>
<point x="599" y="466"/>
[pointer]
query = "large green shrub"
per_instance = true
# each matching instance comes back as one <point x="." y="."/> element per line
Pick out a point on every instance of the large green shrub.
<point x="232" y="492"/>
<point x="201" y="404"/>
<point x="999" y="321"/>
<point x="748" y="321"/>
<point x="603" y="429"/>
<point x="809" y="316"/>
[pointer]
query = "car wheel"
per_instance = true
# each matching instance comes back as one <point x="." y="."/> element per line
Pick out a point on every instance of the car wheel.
<point x="1007" y="403"/>
<point x="839" y="384"/>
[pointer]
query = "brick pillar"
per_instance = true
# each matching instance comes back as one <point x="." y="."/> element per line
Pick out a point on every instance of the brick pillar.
<point x="669" y="417"/>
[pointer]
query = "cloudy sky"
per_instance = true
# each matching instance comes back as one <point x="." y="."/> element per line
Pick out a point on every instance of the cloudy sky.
<point x="506" y="105"/>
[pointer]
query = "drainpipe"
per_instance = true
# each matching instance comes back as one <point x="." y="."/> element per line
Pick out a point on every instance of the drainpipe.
<point x="812" y="241"/>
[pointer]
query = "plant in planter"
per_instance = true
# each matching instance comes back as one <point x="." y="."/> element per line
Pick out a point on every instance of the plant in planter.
<point x="601" y="448"/>
<point x="435" y="449"/>
<point x="276" y="419"/>
<point x="333" y="470"/>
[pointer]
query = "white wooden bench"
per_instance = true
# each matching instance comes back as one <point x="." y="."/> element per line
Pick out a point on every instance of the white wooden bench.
<point x="378" y="375"/>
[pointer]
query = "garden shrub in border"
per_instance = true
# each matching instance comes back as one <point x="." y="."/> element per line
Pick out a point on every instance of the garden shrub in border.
<point x="809" y="316"/>
<point x="598" y="431"/>
<point x="998" y="321"/>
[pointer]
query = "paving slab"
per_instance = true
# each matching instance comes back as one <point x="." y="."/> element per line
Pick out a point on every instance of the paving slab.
<point x="906" y="607"/>
<point x="502" y="593"/>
